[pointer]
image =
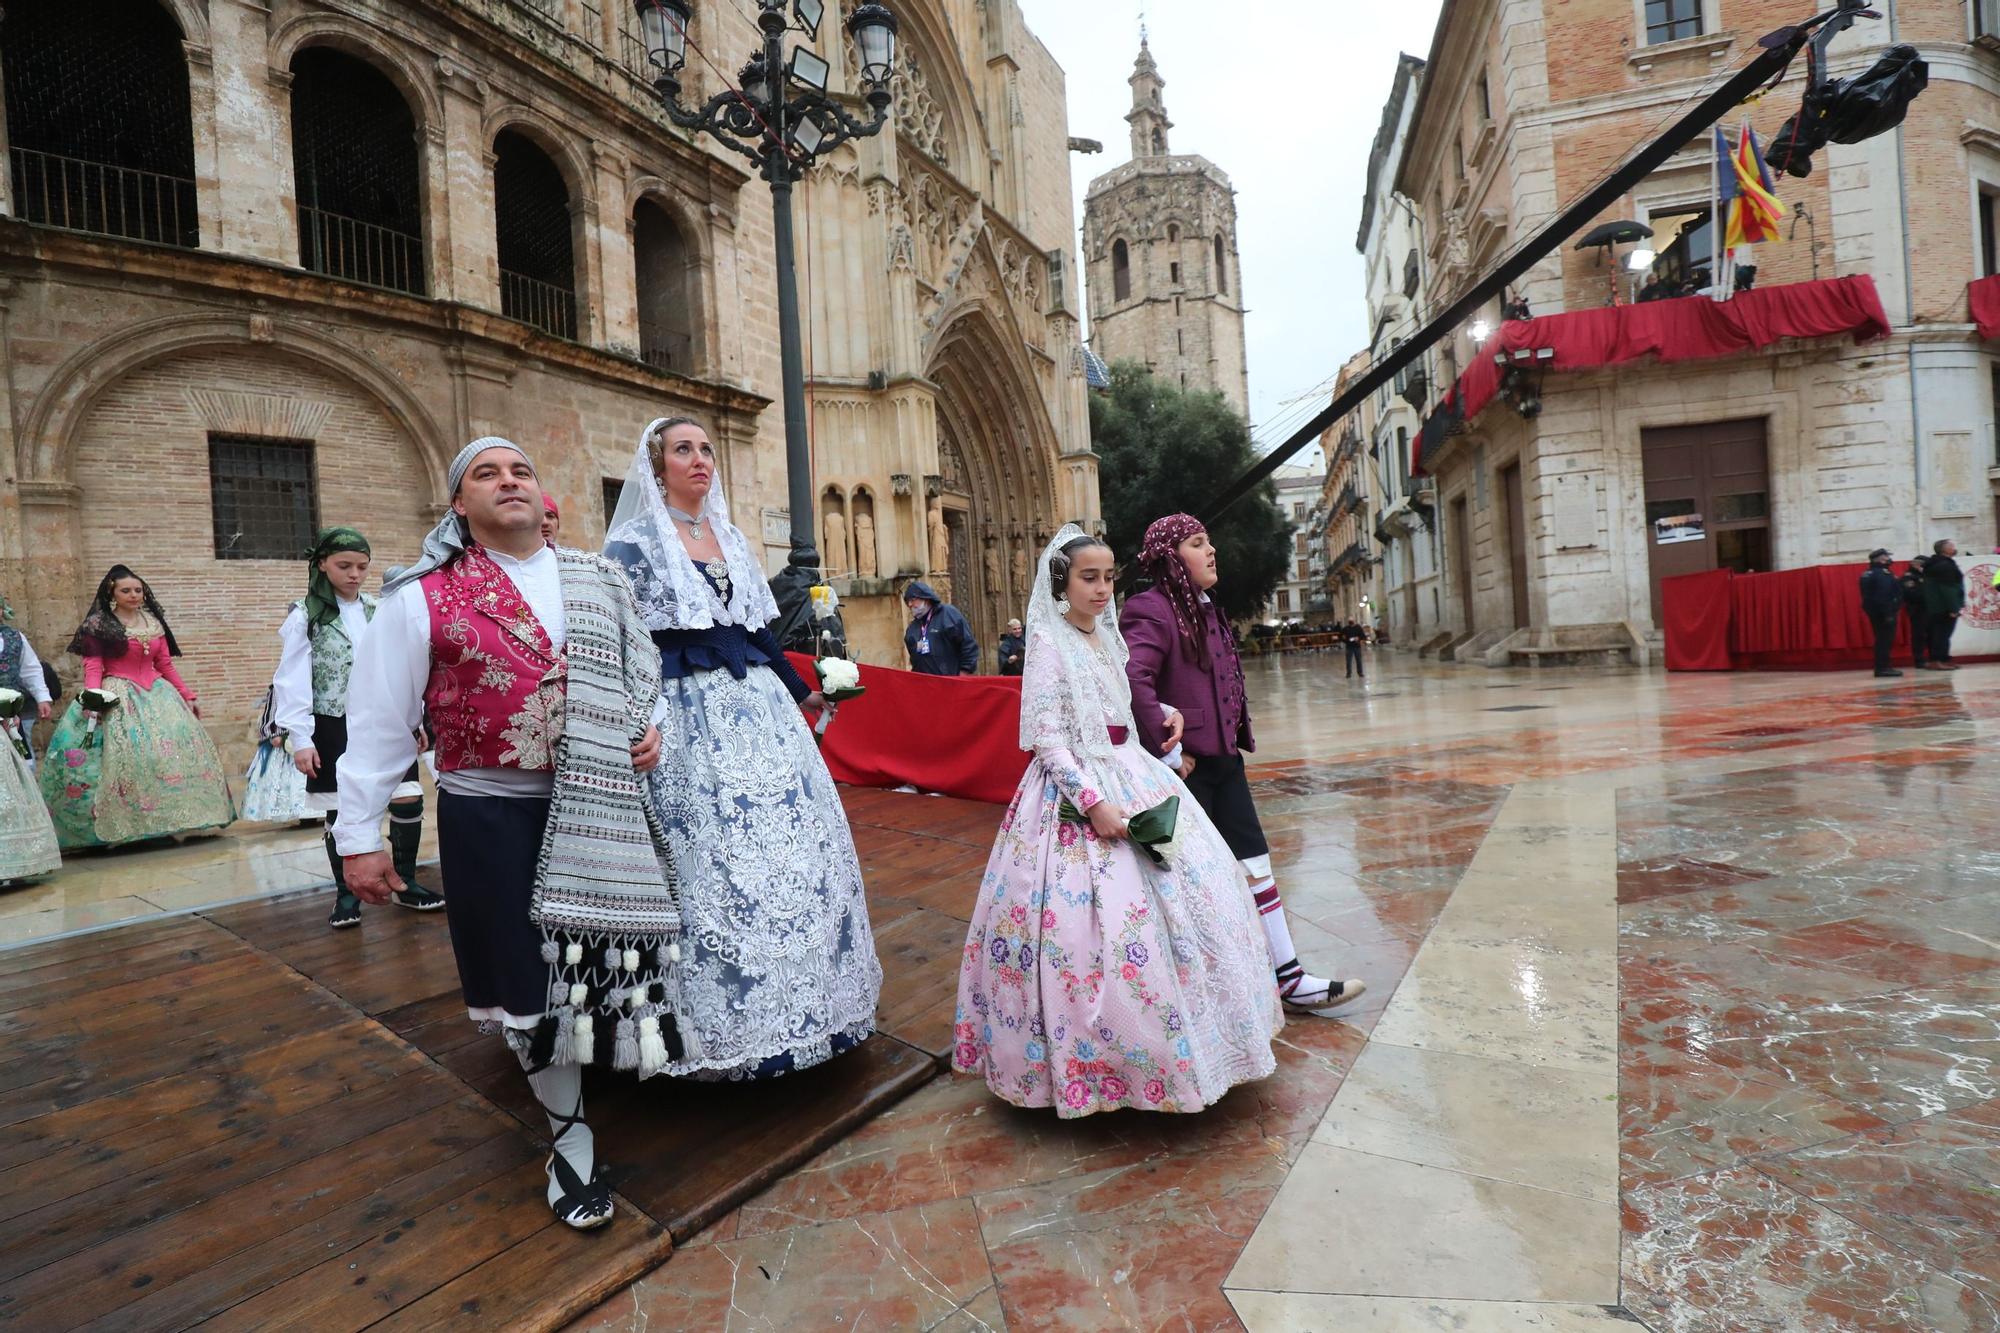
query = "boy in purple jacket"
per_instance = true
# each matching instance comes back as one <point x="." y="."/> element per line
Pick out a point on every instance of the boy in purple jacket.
<point x="1184" y="661"/>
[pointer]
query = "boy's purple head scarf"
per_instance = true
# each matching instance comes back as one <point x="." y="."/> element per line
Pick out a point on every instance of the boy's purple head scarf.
<point x="1160" y="558"/>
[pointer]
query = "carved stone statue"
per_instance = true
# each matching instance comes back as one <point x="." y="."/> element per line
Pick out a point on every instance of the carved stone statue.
<point x="940" y="539"/>
<point x="1457" y="244"/>
<point x="993" y="588"/>
<point x="864" y="545"/>
<point x="834" y="557"/>
<point x="1020" y="569"/>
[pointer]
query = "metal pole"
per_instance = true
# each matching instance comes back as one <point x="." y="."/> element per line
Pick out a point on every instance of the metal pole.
<point x="791" y="360"/>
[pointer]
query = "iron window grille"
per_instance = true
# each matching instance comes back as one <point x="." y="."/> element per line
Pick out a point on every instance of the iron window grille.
<point x="354" y="154"/>
<point x="264" y="497"/>
<point x="100" y="133"/>
<point x="532" y="228"/>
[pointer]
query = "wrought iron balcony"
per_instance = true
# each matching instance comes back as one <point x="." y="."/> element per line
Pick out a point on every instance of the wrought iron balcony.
<point x="344" y="247"/>
<point x="109" y="200"/>
<point x="550" y="308"/>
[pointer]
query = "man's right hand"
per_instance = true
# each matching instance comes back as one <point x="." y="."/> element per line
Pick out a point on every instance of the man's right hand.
<point x="372" y="877"/>
<point x="306" y="761"/>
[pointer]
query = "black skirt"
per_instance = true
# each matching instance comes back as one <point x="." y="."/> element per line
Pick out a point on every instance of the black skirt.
<point x="487" y="848"/>
<point x="1219" y="785"/>
<point x="330" y="741"/>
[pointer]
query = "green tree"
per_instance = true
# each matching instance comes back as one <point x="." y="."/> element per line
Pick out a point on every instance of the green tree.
<point x="1164" y="450"/>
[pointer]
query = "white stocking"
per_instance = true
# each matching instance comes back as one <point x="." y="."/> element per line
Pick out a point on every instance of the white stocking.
<point x="1292" y="978"/>
<point x="559" y="1089"/>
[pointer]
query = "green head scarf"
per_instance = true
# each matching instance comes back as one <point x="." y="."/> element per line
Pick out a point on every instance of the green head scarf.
<point x="322" y="604"/>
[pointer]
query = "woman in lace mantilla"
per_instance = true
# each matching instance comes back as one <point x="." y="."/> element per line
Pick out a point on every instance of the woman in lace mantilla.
<point x="778" y="962"/>
<point x="1093" y="979"/>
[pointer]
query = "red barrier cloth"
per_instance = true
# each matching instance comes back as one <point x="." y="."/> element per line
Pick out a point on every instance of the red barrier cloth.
<point x="1686" y="328"/>
<point x="1694" y="614"/>
<point x="1983" y="295"/>
<point x="1796" y="619"/>
<point x="958" y="735"/>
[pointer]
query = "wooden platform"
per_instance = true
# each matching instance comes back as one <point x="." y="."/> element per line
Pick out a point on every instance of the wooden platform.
<point x="241" y="1116"/>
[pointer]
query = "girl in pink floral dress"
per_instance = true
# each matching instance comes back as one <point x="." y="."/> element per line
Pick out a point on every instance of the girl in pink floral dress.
<point x="1094" y="979"/>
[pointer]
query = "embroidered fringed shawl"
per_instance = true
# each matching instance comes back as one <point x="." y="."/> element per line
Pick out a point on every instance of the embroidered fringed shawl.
<point x="605" y="897"/>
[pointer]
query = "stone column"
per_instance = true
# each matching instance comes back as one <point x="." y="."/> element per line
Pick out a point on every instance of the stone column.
<point x="617" y="291"/>
<point x="249" y="114"/>
<point x="469" y="268"/>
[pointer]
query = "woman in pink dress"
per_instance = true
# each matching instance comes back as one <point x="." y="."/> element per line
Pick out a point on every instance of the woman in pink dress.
<point x="146" y="768"/>
<point x="1094" y="979"/>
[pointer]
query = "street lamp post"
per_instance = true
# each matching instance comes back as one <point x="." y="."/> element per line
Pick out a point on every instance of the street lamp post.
<point x="781" y="117"/>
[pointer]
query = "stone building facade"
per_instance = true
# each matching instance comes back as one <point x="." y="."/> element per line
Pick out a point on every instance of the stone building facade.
<point x="265" y="266"/>
<point x="1298" y="496"/>
<point x="1830" y="448"/>
<point x="1159" y="236"/>
<point x="1409" y="606"/>
<point x="1350" y="584"/>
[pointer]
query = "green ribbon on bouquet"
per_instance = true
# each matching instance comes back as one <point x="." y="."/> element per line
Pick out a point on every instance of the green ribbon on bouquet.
<point x="1155" y="830"/>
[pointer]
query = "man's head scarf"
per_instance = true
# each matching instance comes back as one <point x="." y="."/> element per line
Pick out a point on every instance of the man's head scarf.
<point x="1160" y="558"/>
<point x="322" y="603"/>
<point x="447" y="540"/>
<point x="549" y="504"/>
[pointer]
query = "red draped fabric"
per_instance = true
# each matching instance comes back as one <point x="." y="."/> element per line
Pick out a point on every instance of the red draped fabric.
<point x="1694" y="613"/>
<point x="1686" y="328"/>
<point x="959" y="735"/>
<point x="1790" y="618"/>
<point x="1983" y="295"/>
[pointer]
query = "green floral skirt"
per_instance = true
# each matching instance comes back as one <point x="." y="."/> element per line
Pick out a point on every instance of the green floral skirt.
<point x="149" y="770"/>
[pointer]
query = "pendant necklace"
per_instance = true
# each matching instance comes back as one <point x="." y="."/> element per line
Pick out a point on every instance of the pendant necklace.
<point x="694" y="524"/>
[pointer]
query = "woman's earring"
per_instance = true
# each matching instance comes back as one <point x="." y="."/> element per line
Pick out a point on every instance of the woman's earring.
<point x="1062" y="605"/>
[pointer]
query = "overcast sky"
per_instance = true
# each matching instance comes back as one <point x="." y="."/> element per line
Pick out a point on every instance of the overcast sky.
<point x="1287" y="103"/>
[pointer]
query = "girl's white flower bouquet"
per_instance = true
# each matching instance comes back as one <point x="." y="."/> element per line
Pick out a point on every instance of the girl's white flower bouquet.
<point x="839" y="679"/>
<point x="96" y="703"/>
<point x="13" y="703"/>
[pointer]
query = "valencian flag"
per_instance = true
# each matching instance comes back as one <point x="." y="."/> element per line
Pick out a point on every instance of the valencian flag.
<point x="1750" y="204"/>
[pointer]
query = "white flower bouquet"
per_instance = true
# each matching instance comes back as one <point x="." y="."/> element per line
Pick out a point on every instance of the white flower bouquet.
<point x="13" y="703"/>
<point x="96" y="703"/>
<point x="839" y="679"/>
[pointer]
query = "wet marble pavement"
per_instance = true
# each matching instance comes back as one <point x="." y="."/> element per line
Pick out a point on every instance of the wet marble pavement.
<point x="1685" y="1014"/>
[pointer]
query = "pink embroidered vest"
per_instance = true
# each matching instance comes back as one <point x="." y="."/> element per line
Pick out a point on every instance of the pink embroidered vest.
<point x="496" y="689"/>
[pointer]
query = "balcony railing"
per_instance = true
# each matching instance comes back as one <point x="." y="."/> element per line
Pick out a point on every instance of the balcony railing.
<point x="97" y="197"/>
<point x="344" y="247"/>
<point x="550" y="308"/>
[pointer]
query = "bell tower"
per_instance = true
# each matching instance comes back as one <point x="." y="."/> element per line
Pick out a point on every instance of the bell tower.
<point x="1159" y="251"/>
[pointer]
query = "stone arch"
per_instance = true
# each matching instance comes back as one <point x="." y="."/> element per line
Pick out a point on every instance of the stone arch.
<point x="48" y="443"/>
<point x="923" y="36"/>
<point x="651" y="192"/>
<point x="558" y="140"/>
<point x="192" y="16"/>
<point x="994" y="435"/>
<point x="363" y="41"/>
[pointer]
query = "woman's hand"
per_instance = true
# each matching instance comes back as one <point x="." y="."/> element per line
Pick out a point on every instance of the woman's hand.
<point x="814" y="702"/>
<point x="646" y="754"/>
<point x="1175" y="724"/>
<point x="306" y="761"/>
<point x="1107" y="819"/>
<point x="194" y="706"/>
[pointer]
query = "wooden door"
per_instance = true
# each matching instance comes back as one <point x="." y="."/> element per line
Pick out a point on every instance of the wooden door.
<point x="1707" y="499"/>
<point x="1517" y="540"/>
<point x="1460" y="538"/>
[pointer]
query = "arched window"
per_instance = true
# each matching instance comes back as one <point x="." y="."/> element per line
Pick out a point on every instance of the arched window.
<point x="1159" y="142"/>
<point x="666" y="271"/>
<point x="1121" y="271"/>
<point x="354" y="160"/>
<point x="98" y="126"/>
<point x="1173" y="233"/>
<point x="531" y="225"/>
<point x="1221" y="266"/>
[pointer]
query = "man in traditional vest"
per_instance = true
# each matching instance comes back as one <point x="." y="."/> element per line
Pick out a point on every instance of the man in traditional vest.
<point x="538" y="679"/>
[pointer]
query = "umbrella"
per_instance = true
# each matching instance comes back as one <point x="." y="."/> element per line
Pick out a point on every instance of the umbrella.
<point x="1614" y="233"/>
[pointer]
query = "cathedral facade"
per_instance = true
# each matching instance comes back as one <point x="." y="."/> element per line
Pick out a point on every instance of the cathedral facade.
<point x="266" y="267"/>
<point x="1159" y="236"/>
